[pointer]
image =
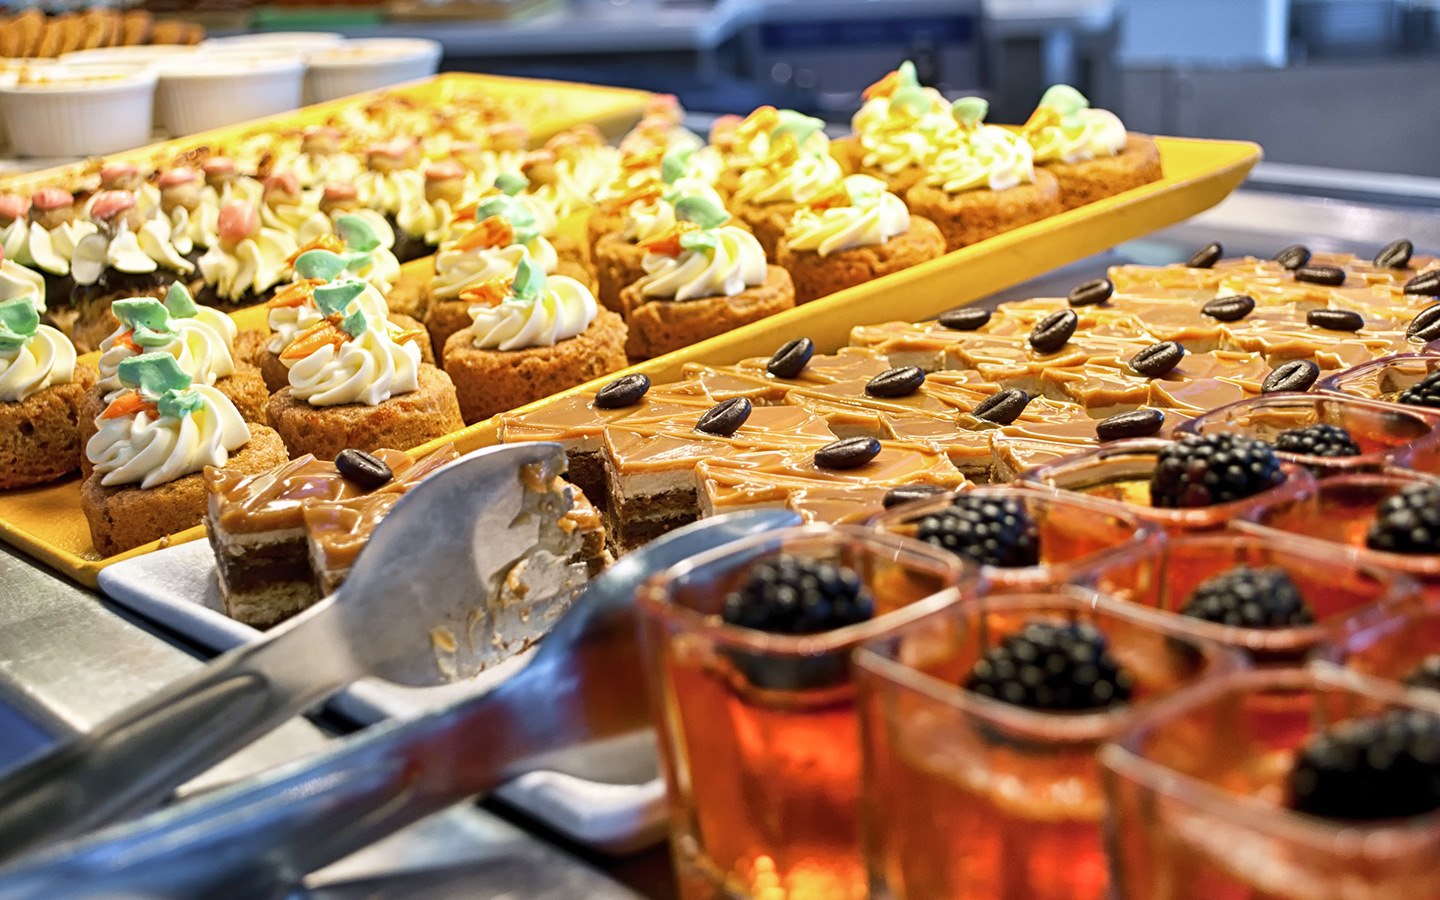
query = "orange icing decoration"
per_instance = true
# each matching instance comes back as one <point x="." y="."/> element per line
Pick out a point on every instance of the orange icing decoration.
<point x="126" y="339"/>
<point x="324" y="333"/>
<point x="329" y="242"/>
<point x="646" y="158"/>
<point x="783" y="151"/>
<point x="295" y="294"/>
<point x="128" y="404"/>
<point x="882" y="88"/>
<point x="668" y="243"/>
<point x="648" y="192"/>
<point x="493" y="232"/>
<point x="465" y="213"/>
<point x="489" y="293"/>
<point x="409" y="335"/>
<point x="831" y="197"/>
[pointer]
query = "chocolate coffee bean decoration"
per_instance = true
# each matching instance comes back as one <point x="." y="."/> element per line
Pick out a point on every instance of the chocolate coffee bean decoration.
<point x="1135" y="423"/>
<point x="1426" y="324"/>
<point x="1002" y="408"/>
<point x="724" y="419"/>
<point x="850" y="453"/>
<point x="899" y="382"/>
<point x="1054" y="331"/>
<point x="1206" y="257"/>
<point x="623" y="392"/>
<point x="1158" y="360"/>
<point x="369" y="472"/>
<point x="1335" y="319"/>
<point x="1295" y="375"/>
<point x="1425" y="284"/>
<point x="964" y="318"/>
<point x="791" y="359"/>
<point x="1092" y="293"/>
<point x="909" y="493"/>
<point x="1229" y="309"/>
<point x="1331" y="276"/>
<point x="1396" y="255"/>
<point x="1293" y="256"/>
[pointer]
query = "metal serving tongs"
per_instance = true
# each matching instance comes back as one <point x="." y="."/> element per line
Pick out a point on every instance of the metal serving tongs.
<point x="578" y="701"/>
<point x="475" y="530"/>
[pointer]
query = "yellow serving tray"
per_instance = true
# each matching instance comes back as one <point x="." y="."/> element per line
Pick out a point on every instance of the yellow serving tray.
<point x="547" y="107"/>
<point x="47" y="523"/>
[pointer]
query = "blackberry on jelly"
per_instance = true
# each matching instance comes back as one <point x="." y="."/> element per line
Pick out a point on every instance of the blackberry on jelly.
<point x="1379" y="767"/>
<point x="797" y="595"/>
<point x="992" y="531"/>
<point x="1249" y="598"/>
<point x="1408" y="521"/>
<point x="1321" y="439"/>
<point x="1207" y="469"/>
<point x="1423" y="393"/>
<point x="1052" y="666"/>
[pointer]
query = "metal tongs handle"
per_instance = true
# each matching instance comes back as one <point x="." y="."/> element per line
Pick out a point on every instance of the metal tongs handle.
<point x="135" y="760"/>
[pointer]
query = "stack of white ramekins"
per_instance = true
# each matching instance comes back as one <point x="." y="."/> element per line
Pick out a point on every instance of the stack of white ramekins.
<point x="111" y="99"/>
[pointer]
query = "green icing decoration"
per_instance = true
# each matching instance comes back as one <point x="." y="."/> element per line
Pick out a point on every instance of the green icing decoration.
<point x="908" y="93"/>
<point x="511" y="183"/>
<point x="699" y="240"/>
<point x="521" y="220"/>
<point x="179" y="302"/>
<point x="529" y="280"/>
<point x="18" y="322"/>
<point x="355" y="324"/>
<point x="331" y="299"/>
<point x="1064" y="99"/>
<point x="674" y="164"/>
<point x="176" y="404"/>
<point x="320" y="264"/>
<point x="863" y="190"/>
<point x="357" y="234"/>
<point x="796" y="125"/>
<point x="701" y="211"/>
<point x="153" y="374"/>
<point x="147" y="319"/>
<point x="970" y="111"/>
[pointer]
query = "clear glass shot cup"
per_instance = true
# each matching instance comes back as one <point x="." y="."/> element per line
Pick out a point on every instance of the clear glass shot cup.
<point x="759" y="733"/>
<point x="1078" y="537"/>
<point x="1344" y="595"/>
<point x="1119" y="473"/>
<point x="1396" y="648"/>
<point x="1388" y="436"/>
<point x="1383" y="378"/>
<point x="1196" y="791"/>
<point x="968" y="797"/>
<point x="1337" y="515"/>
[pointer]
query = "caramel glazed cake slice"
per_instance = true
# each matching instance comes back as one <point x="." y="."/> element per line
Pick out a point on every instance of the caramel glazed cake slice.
<point x="974" y="396"/>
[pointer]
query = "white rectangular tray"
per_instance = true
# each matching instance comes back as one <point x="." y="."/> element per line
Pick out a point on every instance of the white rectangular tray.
<point x="176" y="587"/>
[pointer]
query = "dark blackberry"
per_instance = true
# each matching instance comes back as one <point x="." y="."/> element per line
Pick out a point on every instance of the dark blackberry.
<point x="988" y="530"/>
<point x="1249" y="598"/>
<point x="1052" y="666"/>
<point x="1206" y="469"/>
<point x="795" y="595"/>
<point x="1317" y="440"/>
<point x="1426" y="675"/>
<point x="1380" y="767"/>
<point x="1408" y="521"/>
<point x="1423" y="393"/>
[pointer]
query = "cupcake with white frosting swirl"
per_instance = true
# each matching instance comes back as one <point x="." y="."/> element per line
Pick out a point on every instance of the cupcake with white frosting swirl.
<point x="248" y="260"/>
<point x="796" y="170"/>
<point x="1088" y="150"/>
<point x="896" y="130"/>
<point x="530" y="335"/>
<point x="41" y="391"/>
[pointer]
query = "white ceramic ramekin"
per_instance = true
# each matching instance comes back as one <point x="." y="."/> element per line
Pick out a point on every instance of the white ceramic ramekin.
<point x="364" y="65"/>
<point x="219" y="89"/>
<point x="296" y="41"/>
<point x="143" y="55"/>
<point x="84" y="111"/>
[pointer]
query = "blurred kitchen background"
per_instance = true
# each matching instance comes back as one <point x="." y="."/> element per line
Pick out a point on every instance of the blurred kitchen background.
<point x="1344" y="84"/>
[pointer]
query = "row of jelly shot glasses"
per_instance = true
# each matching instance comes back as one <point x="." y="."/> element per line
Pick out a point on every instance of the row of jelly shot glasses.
<point x="903" y="754"/>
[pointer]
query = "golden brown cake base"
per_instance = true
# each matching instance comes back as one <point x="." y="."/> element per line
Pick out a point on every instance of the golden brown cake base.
<point x="401" y="422"/>
<point x="411" y="290"/>
<point x="489" y="382"/>
<point x="617" y="266"/>
<point x="277" y="377"/>
<point x="818" y="276"/>
<point x="445" y="317"/>
<point x="572" y="249"/>
<point x="40" y="435"/>
<point x="972" y="216"/>
<point x="1095" y="179"/>
<point x="126" y="516"/>
<point x="660" y="326"/>
<point x="249" y="345"/>
<point x="245" y="388"/>
<point x="766" y="221"/>
<point x="603" y="220"/>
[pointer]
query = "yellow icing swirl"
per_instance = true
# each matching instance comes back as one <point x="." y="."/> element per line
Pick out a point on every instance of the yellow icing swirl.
<point x="1065" y="129"/>
<point x="46" y="359"/>
<point x="564" y="309"/>
<point x="735" y="263"/>
<point x="986" y="157"/>
<point x="873" y="217"/>
<point x="799" y="181"/>
<point x="18" y="281"/>
<point x="155" y="451"/>
<point x="368" y="369"/>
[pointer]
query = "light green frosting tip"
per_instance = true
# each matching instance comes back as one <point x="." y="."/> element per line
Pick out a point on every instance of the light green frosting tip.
<point x="699" y="240"/>
<point x="355" y="323"/>
<point x="797" y="125"/>
<point x="1064" y="99"/>
<point x="909" y="94"/>
<point x="331" y="299"/>
<point x="511" y="183"/>
<point x="701" y="211"/>
<point x="147" y="319"/>
<point x="674" y="164"/>
<point x="320" y="264"/>
<point x="18" y="322"/>
<point x="970" y="111"/>
<point x="529" y="280"/>
<point x="153" y="374"/>
<point x="521" y="220"/>
<point x="357" y="234"/>
<point x="179" y="302"/>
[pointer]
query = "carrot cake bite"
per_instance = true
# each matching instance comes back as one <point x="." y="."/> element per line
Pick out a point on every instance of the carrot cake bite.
<point x="354" y="383"/>
<point x="702" y="278"/>
<point x="1088" y="150"/>
<point x="744" y="143"/>
<point x="792" y="174"/>
<point x="860" y="233"/>
<point x="896" y="130"/>
<point x="153" y="441"/>
<point x="248" y="259"/>
<point x="530" y="336"/>
<point x="41" y="390"/>
<point x="42" y="234"/>
<point x="982" y="181"/>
